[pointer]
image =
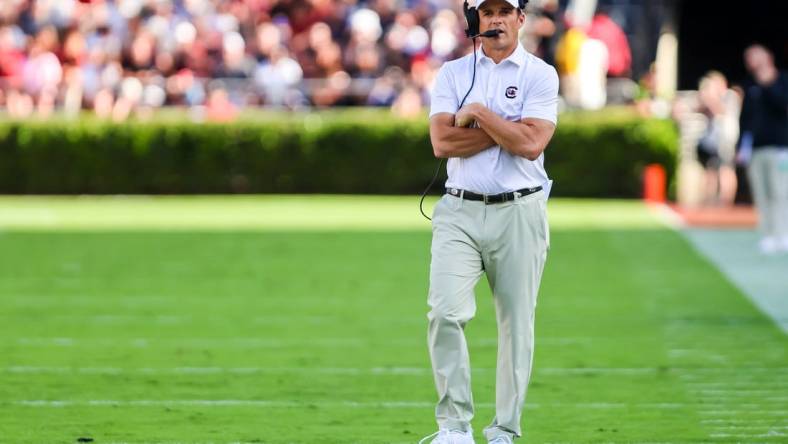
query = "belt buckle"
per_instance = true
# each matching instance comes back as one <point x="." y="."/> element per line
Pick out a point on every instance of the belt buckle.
<point x="486" y="202"/>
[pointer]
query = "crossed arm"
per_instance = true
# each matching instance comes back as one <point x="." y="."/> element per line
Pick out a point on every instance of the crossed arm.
<point x="526" y="138"/>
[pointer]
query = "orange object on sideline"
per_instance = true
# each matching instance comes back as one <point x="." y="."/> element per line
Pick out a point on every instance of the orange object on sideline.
<point x="654" y="183"/>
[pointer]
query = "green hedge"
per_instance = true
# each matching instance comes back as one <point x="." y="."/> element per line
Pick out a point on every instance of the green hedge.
<point x="329" y="152"/>
<point x="603" y="154"/>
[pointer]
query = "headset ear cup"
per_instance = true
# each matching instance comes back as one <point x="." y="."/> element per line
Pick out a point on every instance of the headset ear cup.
<point x="472" y="17"/>
<point x="474" y="21"/>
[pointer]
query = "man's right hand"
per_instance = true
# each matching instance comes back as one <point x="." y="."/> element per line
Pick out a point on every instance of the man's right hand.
<point x="463" y="120"/>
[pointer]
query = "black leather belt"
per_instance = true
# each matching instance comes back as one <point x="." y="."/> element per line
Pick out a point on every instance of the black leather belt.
<point x="492" y="198"/>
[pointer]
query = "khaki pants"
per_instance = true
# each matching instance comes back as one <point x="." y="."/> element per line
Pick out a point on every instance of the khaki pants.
<point x="508" y="241"/>
<point x="768" y="176"/>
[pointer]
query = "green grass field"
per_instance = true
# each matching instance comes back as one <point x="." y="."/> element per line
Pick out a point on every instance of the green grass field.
<point x="302" y="320"/>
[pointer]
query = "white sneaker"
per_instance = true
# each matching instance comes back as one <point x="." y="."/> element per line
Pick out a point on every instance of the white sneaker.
<point x="445" y="436"/>
<point x="503" y="439"/>
<point x="784" y="244"/>
<point x="769" y="245"/>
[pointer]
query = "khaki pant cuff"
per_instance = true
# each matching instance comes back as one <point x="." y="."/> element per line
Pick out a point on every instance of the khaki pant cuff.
<point x="451" y="424"/>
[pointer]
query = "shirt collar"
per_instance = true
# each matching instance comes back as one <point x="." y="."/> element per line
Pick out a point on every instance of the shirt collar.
<point x="517" y="56"/>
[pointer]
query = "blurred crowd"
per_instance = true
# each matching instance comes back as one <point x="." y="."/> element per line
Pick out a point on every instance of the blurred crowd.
<point x="118" y="57"/>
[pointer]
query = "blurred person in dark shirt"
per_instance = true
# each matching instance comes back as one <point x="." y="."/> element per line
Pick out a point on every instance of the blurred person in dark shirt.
<point x="764" y="146"/>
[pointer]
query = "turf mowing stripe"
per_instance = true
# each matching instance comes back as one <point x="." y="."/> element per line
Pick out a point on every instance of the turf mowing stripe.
<point x="276" y="213"/>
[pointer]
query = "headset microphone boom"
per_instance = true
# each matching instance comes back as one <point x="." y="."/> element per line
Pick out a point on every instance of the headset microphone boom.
<point x="490" y="33"/>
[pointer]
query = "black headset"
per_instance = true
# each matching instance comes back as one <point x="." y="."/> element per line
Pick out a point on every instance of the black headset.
<point x="472" y="16"/>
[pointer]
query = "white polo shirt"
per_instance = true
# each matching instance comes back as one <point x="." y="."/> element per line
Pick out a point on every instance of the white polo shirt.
<point x="520" y="86"/>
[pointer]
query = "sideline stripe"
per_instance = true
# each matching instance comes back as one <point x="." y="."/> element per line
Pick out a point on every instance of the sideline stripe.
<point x="761" y="278"/>
<point x="735" y="253"/>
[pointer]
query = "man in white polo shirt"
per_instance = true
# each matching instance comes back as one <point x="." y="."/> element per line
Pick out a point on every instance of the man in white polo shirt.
<point x="492" y="218"/>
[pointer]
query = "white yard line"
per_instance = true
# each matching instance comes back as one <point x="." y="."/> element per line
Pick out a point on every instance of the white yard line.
<point x="415" y="371"/>
<point x="747" y="421"/>
<point x="736" y="412"/>
<point x="254" y="342"/>
<point x="750" y="427"/>
<point x="408" y="404"/>
<point x="222" y="370"/>
<point x="735" y="392"/>
<point x="738" y="385"/>
<point x="221" y="403"/>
